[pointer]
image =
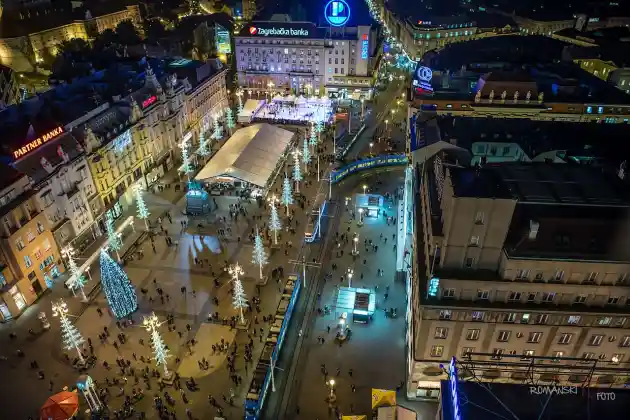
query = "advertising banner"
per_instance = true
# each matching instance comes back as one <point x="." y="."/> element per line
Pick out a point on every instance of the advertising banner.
<point x="387" y="160"/>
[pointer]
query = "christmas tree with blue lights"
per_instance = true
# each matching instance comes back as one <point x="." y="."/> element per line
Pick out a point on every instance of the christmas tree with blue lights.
<point x="313" y="140"/>
<point x="287" y="193"/>
<point x="297" y="172"/>
<point x="120" y="294"/>
<point x="306" y="154"/>
<point x="229" y="118"/>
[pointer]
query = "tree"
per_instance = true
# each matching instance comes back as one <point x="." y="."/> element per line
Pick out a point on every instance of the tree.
<point x="76" y="279"/>
<point x="185" y="168"/>
<point x="229" y="118"/>
<point x="160" y="353"/>
<point x="313" y="140"/>
<point x="239" y="299"/>
<point x="218" y="130"/>
<point x="71" y="338"/>
<point x="143" y="211"/>
<point x="306" y="154"/>
<point x="127" y="33"/>
<point x="154" y="30"/>
<point x="259" y="255"/>
<point x="203" y="146"/>
<point x="297" y="172"/>
<point x="287" y="192"/>
<point x="113" y="237"/>
<point x="120" y="294"/>
<point x="274" y="219"/>
<point x="74" y="45"/>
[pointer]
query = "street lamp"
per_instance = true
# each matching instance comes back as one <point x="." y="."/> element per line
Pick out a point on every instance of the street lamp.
<point x="331" y="385"/>
<point x="360" y="223"/>
<point x="362" y="107"/>
<point x="371" y="145"/>
<point x="72" y="337"/>
<point x="386" y="122"/>
<point x="350" y="274"/>
<point x="365" y="186"/>
<point x="355" y="241"/>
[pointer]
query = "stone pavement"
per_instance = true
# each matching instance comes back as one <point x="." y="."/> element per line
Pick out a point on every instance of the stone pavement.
<point x="172" y="268"/>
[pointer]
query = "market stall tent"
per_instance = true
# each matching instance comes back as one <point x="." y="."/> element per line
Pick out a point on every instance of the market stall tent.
<point x="61" y="406"/>
<point x="252" y="155"/>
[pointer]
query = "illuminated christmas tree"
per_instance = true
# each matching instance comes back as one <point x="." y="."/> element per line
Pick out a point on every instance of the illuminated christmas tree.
<point x="306" y="154"/>
<point x="229" y="119"/>
<point x="113" y="238"/>
<point x="203" y="146"/>
<point x="160" y="353"/>
<point x="259" y="255"/>
<point x="185" y="168"/>
<point x="218" y="130"/>
<point x="239" y="299"/>
<point x="76" y="279"/>
<point x="287" y="192"/>
<point x="120" y="294"/>
<point x="274" y="219"/>
<point x="143" y="211"/>
<point x="70" y="336"/>
<point x="297" y="172"/>
<point x="313" y="140"/>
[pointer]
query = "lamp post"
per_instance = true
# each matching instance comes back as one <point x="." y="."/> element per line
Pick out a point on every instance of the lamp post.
<point x="365" y="186"/>
<point x="349" y="275"/>
<point x="371" y="145"/>
<point x="362" y="108"/>
<point x="355" y="242"/>
<point x="331" y="385"/>
<point x="360" y="223"/>
<point x="386" y="122"/>
<point x="239" y="95"/>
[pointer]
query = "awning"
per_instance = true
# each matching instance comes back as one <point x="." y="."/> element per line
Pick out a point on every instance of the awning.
<point x="251" y="154"/>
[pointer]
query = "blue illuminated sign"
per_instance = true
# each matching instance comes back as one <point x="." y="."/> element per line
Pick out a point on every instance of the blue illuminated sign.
<point x="434" y="285"/>
<point x="364" y="49"/>
<point x="452" y="378"/>
<point x="337" y="12"/>
<point x="389" y="160"/>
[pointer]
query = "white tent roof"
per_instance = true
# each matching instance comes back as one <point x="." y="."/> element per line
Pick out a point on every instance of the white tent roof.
<point x="251" y="154"/>
<point x="251" y="105"/>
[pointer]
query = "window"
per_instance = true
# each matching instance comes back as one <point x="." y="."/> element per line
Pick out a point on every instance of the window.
<point x="592" y="276"/>
<point x="557" y="355"/>
<point x="534" y="337"/>
<point x="522" y="274"/>
<point x="588" y="356"/>
<point x="514" y="297"/>
<point x="525" y="319"/>
<point x="445" y="314"/>
<point x="469" y="262"/>
<point x="616" y="358"/>
<point x="437" y="351"/>
<point x="441" y="332"/>
<point x="574" y="319"/>
<point x="40" y="227"/>
<point x="38" y="253"/>
<point x="27" y="261"/>
<point x="483" y="294"/>
<point x="527" y="354"/>
<point x="19" y="244"/>
<point x="605" y="320"/>
<point x="542" y="319"/>
<point x="565" y="338"/>
<point x="497" y="353"/>
<point x="596" y="340"/>
<point x="448" y="293"/>
<point x="620" y="322"/>
<point x="580" y="299"/>
<point x="548" y="297"/>
<point x="473" y="334"/>
<point x="559" y="275"/>
<point x="474" y="241"/>
<point x="625" y="341"/>
<point x="613" y="300"/>
<point x="477" y="315"/>
<point x="504" y="336"/>
<point x="531" y="297"/>
<point x="479" y="218"/>
<point x="509" y="318"/>
<point x="467" y="350"/>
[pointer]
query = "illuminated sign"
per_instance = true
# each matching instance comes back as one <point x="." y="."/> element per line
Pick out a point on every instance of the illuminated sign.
<point x="424" y="22"/>
<point x="452" y="378"/>
<point x="365" y="44"/>
<point x="37" y="142"/>
<point x="122" y="141"/>
<point x="278" y="31"/>
<point x="337" y="12"/>
<point x="389" y="160"/>
<point x="434" y="285"/>
<point x="149" y="101"/>
<point x="423" y="78"/>
<point x="222" y="40"/>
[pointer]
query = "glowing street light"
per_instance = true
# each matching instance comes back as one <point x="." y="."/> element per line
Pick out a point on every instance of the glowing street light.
<point x="355" y="242"/>
<point x="365" y="186"/>
<point x="386" y="122"/>
<point x="360" y="223"/>
<point x="371" y="145"/>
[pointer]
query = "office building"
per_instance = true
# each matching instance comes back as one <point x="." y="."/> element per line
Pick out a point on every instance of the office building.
<point x="299" y="57"/>
<point x="9" y="88"/>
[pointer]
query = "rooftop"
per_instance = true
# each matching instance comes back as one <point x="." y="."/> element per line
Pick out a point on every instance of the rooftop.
<point x="477" y="182"/>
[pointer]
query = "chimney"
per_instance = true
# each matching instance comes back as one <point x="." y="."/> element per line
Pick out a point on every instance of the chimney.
<point x="533" y="230"/>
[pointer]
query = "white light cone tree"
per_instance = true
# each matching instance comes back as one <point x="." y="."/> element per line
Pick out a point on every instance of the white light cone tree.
<point x="185" y="168"/>
<point x="306" y="154"/>
<point x="229" y="119"/>
<point x="143" y="211"/>
<point x="218" y="130"/>
<point x="287" y="193"/>
<point x="239" y="299"/>
<point x="259" y="255"/>
<point x="113" y="237"/>
<point x="160" y="353"/>
<point x="274" y="219"/>
<point x="76" y="279"/>
<point x="203" y="146"/>
<point x="313" y="141"/>
<point x="70" y="336"/>
<point x="297" y="172"/>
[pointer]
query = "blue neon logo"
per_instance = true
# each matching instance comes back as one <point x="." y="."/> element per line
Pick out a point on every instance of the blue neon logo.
<point x="337" y="12"/>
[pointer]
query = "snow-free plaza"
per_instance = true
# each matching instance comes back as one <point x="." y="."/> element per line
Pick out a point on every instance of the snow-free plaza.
<point x="287" y="110"/>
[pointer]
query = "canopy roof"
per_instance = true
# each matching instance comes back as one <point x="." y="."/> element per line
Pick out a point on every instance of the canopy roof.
<point x="251" y="154"/>
<point x="61" y="406"/>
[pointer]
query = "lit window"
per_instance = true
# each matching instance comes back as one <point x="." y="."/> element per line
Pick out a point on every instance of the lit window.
<point x="504" y="336"/>
<point x="437" y="351"/>
<point x="27" y="261"/>
<point x="477" y="316"/>
<point x="596" y="340"/>
<point x="445" y="314"/>
<point x="574" y="319"/>
<point x="534" y="337"/>
<point x="472" y="334"/>
<point x="441" y="332"/>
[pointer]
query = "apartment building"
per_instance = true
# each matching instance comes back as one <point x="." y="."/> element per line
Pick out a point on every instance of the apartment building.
<point x="9" y="88"/>
<point x="519" y="265"/>
<point x="30" y="260"/>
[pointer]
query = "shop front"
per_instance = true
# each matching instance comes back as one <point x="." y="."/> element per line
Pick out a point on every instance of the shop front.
<point x="369" y="205"/>
<point x="14" y="299"/>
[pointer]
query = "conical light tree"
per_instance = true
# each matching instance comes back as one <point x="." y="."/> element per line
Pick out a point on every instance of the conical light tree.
<point x="120" y="294"/>
<point x="229" y="119"/>
<point x="306" y="154"/>
<point x="185" y="168"/>
<point x="239" y="299"/>
<point x="160" y="353"/>
<point x="297" y="172"/>
<point x="203" y="146"/>
<point x="113" y="238"/>
<point x="76" y="279"/>
<point x="274" y="219"/>
<point x="287" y="192"/>
<point x="143" y="211"/>
<point x="70" y="336"/>
<point x="218" y="130"/>
<point x="259" y="255"/>
<point x="313" y="141"/>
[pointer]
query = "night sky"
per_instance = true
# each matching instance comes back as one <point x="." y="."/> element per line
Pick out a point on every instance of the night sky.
<point x="315" y="10"/>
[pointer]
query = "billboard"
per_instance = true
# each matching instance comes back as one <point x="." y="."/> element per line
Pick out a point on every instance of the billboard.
<point x="222" y="40"/>
<point x="387" y="160"/>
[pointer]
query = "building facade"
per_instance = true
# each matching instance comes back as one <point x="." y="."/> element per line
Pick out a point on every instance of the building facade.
<point x="9" y="88"/>
<point x="30" y="257"/>
<point x="509" y="263"/>
<point x="299" y="57"/>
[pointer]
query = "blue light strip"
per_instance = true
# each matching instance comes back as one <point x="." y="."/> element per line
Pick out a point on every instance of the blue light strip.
<point x="388" y="160"/>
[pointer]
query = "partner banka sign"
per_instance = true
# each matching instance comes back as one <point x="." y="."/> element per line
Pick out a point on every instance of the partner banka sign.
<point x="257" y="31"/>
